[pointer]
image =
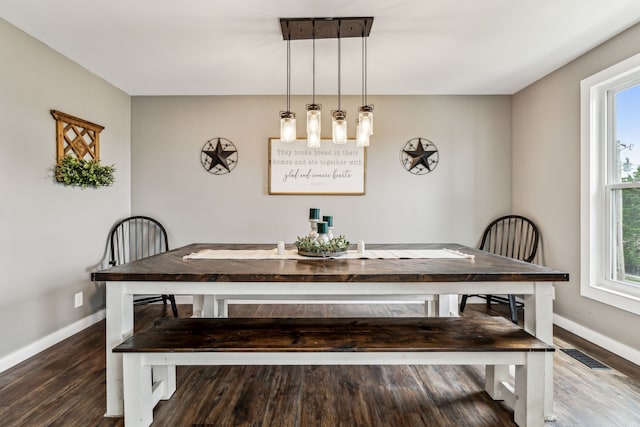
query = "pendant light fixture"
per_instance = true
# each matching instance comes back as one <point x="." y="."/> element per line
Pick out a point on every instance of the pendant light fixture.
<point x="327" y="28"/>
<point x="339" y="116"/>
<point x="314" y="111"/>
<point x="287" y="118"/>
<point x="364" y="127"/>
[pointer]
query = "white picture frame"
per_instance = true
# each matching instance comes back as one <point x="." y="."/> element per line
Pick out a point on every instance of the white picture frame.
<point x="330" y="169"/>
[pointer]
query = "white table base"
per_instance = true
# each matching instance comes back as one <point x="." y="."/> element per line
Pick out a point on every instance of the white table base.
<point x="537" y="297"/>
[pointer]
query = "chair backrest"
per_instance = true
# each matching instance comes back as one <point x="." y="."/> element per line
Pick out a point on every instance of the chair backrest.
<point x="513" y="236"/>
<point x="136" y="237"/>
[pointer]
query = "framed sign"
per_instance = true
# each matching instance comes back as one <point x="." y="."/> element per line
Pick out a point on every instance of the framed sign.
<point x="330" y="169"/>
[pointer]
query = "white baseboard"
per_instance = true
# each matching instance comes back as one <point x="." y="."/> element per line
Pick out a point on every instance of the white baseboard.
<point x="597" y="338"/>
<point x="43" y="343"/>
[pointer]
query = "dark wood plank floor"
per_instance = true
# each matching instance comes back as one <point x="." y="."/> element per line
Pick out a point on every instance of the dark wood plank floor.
<point x="64" y="386"/>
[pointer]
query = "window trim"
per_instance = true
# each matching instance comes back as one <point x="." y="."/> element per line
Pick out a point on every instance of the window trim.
<point x="595" y="208"/>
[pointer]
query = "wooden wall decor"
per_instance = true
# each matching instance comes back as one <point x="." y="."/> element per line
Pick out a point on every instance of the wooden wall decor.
<point x="77" y="136"/>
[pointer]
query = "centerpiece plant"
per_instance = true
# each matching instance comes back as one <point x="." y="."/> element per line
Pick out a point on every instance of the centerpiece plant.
<point x="337" y="245"/>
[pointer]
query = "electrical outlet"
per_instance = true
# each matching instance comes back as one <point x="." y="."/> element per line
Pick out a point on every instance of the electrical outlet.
<point x="78" y="300"/>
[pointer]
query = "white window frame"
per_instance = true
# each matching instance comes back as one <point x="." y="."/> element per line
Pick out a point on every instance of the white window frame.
<point x="595" y="206"/>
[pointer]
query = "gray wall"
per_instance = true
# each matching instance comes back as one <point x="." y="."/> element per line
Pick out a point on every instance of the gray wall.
<point x="471" y="184"/>
<point x="51" y="235"/>
<point x="546" y="179"/>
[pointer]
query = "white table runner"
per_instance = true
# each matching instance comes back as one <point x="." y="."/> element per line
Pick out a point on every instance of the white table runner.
<point x="293" y="254"/>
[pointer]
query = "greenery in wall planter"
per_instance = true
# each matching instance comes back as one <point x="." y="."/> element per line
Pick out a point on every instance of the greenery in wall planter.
<point x="83" y="173"/>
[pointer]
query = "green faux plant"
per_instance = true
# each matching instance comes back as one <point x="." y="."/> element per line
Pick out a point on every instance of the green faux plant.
<point x="308" y="244"/>
<point x="83" y="173"/>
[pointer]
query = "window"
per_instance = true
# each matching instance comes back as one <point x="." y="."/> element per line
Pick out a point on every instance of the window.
<point x="610" y="180"/>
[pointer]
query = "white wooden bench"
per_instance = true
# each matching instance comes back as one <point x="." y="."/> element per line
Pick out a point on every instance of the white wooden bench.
<point x="219" y="304"/>
<point x="150" y="357"/>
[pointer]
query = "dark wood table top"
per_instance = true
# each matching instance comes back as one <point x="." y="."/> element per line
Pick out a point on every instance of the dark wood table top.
<point x="486" y="267"/>
<point x="333" y="335"/>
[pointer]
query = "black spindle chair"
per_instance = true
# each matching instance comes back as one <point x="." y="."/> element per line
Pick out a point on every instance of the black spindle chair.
<point x="135" y="238"/>
<point x="513" y="236"/>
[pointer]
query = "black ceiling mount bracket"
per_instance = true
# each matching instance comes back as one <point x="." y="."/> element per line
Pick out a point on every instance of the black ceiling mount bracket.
<point x="325" y="28"/>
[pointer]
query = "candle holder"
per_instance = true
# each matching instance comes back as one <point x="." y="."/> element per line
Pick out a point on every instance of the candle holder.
<point x="320" y="241"/>
<point x="322" y="233"/>
<point x="313" y="222"/>
<point x="329" y="220"/>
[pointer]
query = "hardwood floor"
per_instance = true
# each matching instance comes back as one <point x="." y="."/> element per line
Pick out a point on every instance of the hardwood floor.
<point x="64" y="386"/>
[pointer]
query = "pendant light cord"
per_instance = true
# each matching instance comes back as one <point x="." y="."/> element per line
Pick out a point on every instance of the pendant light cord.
<point x="363" y="99"/>
<point x="364" y="65"/>
<point x="339" y="64"/>
<point x="313" y="29"/>
<point x="365" y="70"/>
<point x="289" y="73"/>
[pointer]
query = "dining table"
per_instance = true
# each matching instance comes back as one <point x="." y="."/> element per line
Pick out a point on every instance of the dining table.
<point x="443" y="270"/>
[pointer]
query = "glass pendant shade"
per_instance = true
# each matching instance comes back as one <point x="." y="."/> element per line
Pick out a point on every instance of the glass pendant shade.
<point x="313" y="140"/>
<point x="362" y="135"/>
<point x="339" y="127"/>
<point x="287" y="126"/>
<point x="314" y="116"/>
<point x="365" y="118"/>
<point x="314" y="111"/>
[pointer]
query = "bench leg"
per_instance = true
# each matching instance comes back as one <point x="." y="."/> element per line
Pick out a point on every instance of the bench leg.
<point x="495" y="375"/>
<point x="198" y="304"/>
<point x="430" y="307"/>
<point x="209" y="306"/>
<point x="529" y="385"/>
<point x="222" y="306"/>
<point x="138" y="395"/>
<point x="446" y="305"/>
<point x="214" y="307"/>
<point x="165" y="377"/>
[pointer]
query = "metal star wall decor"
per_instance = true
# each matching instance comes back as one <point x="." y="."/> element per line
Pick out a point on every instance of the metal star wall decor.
<point x="419" y="156"/>
<point x="219" y="156"/>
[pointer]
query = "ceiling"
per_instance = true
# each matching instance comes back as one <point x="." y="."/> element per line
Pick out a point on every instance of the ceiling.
<point x="212" y="47"/>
